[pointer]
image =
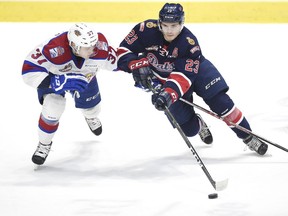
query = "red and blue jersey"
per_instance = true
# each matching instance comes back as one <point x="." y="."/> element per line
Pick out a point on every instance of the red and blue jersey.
<point x="175" y="64"/>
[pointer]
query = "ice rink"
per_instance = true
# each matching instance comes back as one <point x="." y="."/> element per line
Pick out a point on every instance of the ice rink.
<point x="140" y="165"/>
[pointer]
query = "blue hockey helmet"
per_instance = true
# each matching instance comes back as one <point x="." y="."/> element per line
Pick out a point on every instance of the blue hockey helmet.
<point x="172" y="12"/>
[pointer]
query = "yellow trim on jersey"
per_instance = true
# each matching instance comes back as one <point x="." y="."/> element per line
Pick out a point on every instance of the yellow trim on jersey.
<point x="120" y="12"/>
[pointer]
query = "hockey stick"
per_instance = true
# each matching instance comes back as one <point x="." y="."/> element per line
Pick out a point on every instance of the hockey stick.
<point x="219" y="185"/>
<point x="233" y="124"/>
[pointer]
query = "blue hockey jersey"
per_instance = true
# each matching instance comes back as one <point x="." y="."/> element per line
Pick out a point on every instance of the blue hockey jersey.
<point x="175" y="64"/>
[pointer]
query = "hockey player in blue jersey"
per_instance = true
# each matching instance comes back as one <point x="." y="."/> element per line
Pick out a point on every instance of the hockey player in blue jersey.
<point x="173" y="57"/>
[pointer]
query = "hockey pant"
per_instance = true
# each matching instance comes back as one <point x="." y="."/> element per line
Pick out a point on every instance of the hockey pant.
<point x="221" y="104"/>
<point x="53" y="106"/>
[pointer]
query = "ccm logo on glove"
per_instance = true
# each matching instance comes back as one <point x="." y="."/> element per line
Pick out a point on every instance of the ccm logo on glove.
<point x="136" y="64"/>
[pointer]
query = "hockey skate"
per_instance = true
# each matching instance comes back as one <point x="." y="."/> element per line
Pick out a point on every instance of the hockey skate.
<point x="256" y="145"/>
<point x="204" y="132"/>
<point x="94" y="125"/>
<point x="41" y="153"/>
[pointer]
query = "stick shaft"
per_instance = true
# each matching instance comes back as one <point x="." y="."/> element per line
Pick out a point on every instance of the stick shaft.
<point x="198" y="159"/>
<point x="233" y="124"/>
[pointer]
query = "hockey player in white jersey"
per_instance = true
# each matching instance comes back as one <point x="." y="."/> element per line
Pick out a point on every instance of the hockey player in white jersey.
<point x="67" y="64"/>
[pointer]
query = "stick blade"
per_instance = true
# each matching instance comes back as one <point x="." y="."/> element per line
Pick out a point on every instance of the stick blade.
<point x="221" y="185"/>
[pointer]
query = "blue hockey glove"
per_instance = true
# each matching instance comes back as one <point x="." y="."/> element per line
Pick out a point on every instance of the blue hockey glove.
<point x="154" y="83"/>
<point x="141" y="71"/>
<point x="161" y="100"/>
<point x="71" y="81"/>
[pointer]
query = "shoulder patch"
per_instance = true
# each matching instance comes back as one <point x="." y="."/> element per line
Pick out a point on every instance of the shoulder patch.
<point x="190" y="41"/>
<point x="194" y="49"/>
<point x="102" y="45"/>
<point x="56" y="51"/>
<point x="151" y="25"/>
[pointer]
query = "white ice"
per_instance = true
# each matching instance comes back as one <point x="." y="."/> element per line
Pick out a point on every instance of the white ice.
<point x="140" y="165"/>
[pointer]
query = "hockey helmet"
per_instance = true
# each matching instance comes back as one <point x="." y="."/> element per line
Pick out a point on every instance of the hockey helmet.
<point x="171" y="12"/>
<point x="81" y="35"/>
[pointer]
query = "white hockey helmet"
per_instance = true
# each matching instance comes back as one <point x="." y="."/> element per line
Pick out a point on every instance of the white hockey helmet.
<point x="81" y="35"/>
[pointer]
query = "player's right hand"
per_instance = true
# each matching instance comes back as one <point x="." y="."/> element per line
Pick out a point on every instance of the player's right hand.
<point x="70" y="81"/>
<point x="141" y="71"/>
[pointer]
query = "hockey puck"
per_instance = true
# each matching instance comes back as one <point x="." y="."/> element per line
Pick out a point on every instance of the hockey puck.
<point x="213" y="196"/>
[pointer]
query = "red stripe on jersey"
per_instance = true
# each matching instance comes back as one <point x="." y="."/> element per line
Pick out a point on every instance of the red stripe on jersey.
<point x="30" y="67"/>
<point x="27" y="68"/>
<point x="48" y="128"/>
<point x="122" y="51"/>
<point x="181" y="81"/>
<point x="235" y="116"/>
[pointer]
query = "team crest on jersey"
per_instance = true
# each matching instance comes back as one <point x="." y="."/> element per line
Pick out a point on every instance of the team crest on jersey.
<point x="150" y="25"/>
<point x="190" y="41"/>
<point x="66" y="68"/>
<point x="56" y="51"/>
<point x="153" y="60"/>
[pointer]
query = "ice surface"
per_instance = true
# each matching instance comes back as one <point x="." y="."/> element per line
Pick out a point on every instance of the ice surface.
<point x="140" y="166"/>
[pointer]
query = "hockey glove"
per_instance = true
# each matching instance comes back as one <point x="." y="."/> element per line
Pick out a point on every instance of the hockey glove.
<point x="70" y="81"/>
<point x="161" y="100"/>
<point x="141" y="71"/>
<point x="154" y="83"/>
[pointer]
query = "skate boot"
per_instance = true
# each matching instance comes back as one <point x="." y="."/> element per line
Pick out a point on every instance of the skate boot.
<point x="41" y="153"/>
<point x="256" y="145"/>
<point x="94" y="125"/>
<point x="204" y="132"/>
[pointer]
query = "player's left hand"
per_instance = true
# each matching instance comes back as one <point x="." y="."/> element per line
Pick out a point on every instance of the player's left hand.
<point x="161" y="100"/>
